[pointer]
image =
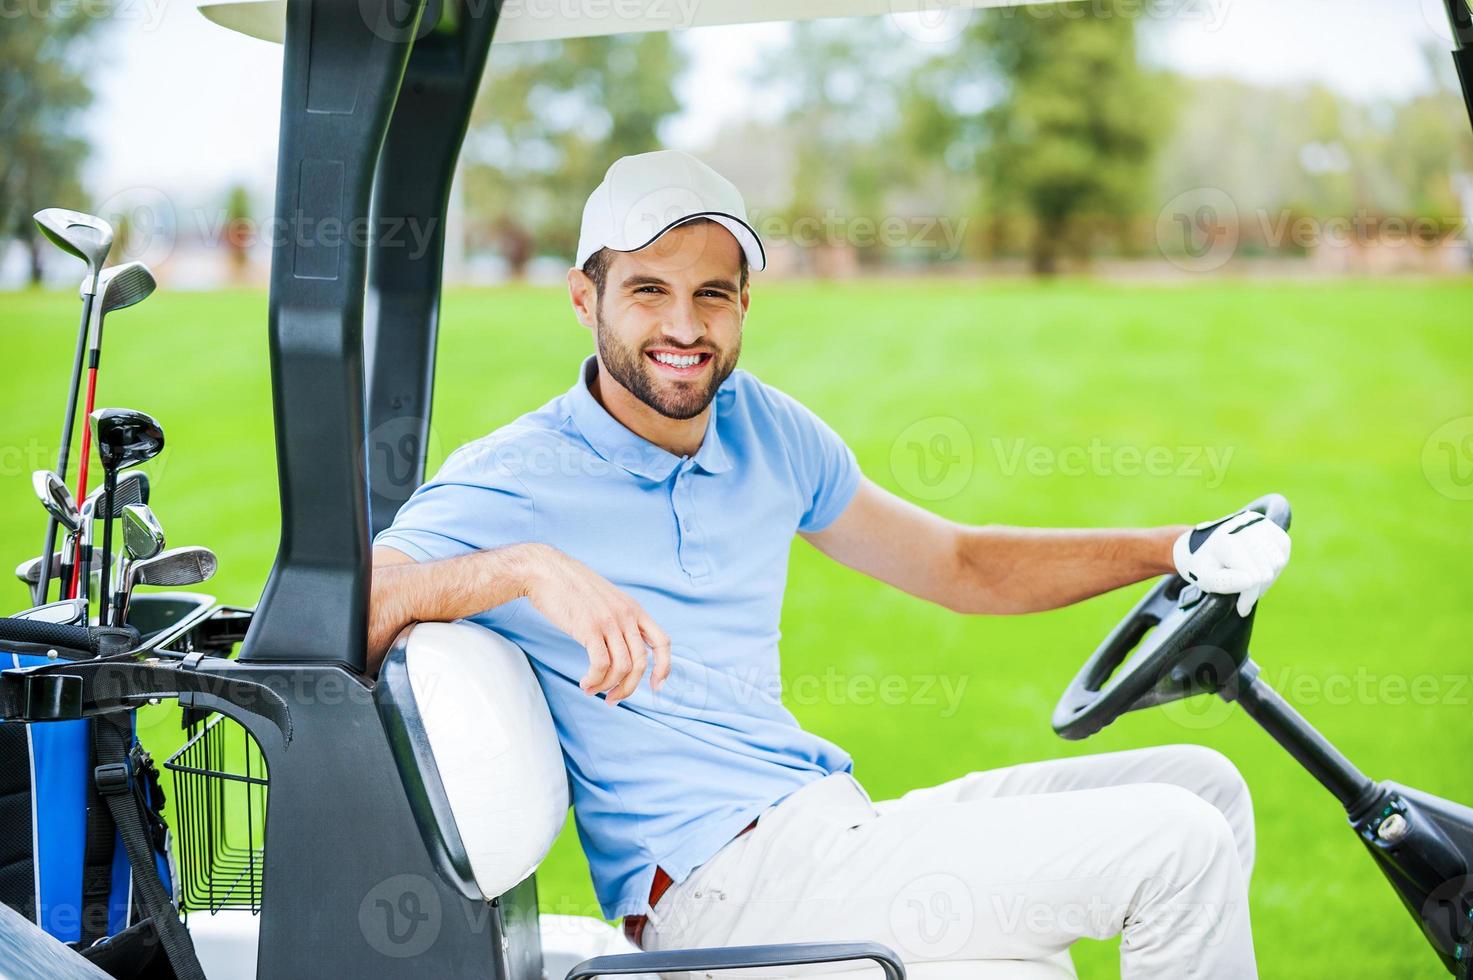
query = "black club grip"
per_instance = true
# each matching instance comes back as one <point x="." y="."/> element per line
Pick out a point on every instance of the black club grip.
<point x="80" y="639"/>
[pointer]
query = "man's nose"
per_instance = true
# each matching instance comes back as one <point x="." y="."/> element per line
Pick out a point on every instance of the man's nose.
<point x="684" y="325"/>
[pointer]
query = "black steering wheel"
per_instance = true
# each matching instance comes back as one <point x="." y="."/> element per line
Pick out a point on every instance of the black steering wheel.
<point x="1185" y="642"/>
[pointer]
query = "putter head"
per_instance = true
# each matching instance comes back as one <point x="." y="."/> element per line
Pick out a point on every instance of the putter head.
<point x="122" y="286"/>
<point x="125" y="437"/>
<point x="143" y="537"/>
<point x="67" y="612"/>
<point x="57" y="499"/>
<point x="177" y="566"/>
<point x="87" y="237"/>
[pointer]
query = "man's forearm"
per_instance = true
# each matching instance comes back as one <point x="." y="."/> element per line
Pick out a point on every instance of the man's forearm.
<point x="440" y="591"/>
<point x="1020" y="569"/>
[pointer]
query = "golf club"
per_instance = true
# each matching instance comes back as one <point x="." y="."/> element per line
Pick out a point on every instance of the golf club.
<point x="176" y="567"/>
<point x="89" y="239"/>
<point x="56" y="498"/>
<point x="143" y="538"/>
<point x="124" y="437"/>
<point x="62" y="511"/>
<point x="67" y="612"/>
<point x="132" y="488"/>
<point x="30" y="571"/>
<point x="117" y="288"/>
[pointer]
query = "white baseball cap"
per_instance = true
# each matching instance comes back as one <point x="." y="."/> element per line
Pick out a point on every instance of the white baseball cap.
<point x="645" y="195"/>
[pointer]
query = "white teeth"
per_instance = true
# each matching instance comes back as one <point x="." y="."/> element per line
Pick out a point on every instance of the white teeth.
<point x="678" y="360"/>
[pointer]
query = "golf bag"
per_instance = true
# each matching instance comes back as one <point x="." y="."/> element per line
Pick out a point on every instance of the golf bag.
<point x="69" y="792"/>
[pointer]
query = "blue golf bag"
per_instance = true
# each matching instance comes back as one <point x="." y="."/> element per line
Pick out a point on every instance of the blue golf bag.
<point x="65" y="788"/>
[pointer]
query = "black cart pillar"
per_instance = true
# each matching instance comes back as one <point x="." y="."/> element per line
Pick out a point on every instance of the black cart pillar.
<point x="348" y="885"/>
<point x="405" y="266"/>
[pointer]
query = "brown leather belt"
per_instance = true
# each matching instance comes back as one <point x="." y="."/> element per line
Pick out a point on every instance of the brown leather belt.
<point x="634" y="924"/>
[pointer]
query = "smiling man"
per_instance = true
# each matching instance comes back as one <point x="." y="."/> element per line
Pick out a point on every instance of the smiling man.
<point x="632" y="536"/>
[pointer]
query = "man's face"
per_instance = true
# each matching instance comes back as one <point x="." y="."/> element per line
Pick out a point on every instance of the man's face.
<point x="669" y="322"/>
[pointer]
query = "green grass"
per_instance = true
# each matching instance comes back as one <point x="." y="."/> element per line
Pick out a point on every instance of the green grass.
<point x="1327" y="393"/>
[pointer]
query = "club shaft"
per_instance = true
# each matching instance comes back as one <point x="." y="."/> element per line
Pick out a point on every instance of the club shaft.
<point x="86" y="450"/>
<point x="111" y="482"/>
<point x="64" y="451"/>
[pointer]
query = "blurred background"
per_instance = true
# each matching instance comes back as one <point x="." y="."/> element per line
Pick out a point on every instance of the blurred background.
<point x="1119" y="262"/>
<point x="1131" y="138"/>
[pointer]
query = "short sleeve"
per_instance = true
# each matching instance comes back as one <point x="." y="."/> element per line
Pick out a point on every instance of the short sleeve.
<point x="472" y="504"/>
<point x="826" y="469"/>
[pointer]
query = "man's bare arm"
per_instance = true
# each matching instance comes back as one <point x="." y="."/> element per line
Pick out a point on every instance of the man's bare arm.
<point x="989" y="569"/>
<point x="618" y="634"/>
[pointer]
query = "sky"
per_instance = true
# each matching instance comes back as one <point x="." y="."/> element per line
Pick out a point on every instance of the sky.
<point x="186" y="108"/>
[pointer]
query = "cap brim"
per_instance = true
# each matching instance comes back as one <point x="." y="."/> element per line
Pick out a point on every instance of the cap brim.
<point x="744" y="233"/>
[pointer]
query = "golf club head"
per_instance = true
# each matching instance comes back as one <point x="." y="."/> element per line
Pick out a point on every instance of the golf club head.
<point x="67" y="612"/>
<point x="121" y="286"/>
<point x="57" y="499"/>
<point x="132" y="488"/>
<point x="125" y="437"/>
<point x="87" y="237"/>
<point x="178" y="566"/>
<point x="29" y="571"/>
<point x="143" y="537"/>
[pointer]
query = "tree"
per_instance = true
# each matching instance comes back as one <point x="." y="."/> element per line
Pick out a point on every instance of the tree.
<point x="550" y="118"/>
<point x="842" y="111"/>
<point x="1052" y="107"/>
<point x="238" y="231"/>
<point x="44" y="90"/>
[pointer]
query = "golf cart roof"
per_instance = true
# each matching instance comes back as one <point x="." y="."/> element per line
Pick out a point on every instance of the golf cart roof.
<point x="531" y="21"/>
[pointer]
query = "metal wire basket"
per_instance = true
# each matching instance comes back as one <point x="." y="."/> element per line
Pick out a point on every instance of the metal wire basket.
<point x="219" y="817"/>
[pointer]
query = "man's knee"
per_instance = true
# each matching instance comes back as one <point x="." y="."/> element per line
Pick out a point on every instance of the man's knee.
<point x="1215" y="774"/>
<point x="1193" y="834"/>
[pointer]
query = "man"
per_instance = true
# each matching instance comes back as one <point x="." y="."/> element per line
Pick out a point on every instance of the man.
<point x="640" y="524"/>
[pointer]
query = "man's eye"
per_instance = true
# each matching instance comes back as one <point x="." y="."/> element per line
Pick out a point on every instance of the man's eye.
<point x="648" y="289"/>
<point x="716" y="293"/>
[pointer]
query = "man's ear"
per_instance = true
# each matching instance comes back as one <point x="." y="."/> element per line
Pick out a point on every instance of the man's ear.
<point x="584" y="296"/>
<point x="746" y="299"/>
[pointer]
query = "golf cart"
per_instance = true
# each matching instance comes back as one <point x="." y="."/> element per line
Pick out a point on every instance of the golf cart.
<point x="396" y="842"/>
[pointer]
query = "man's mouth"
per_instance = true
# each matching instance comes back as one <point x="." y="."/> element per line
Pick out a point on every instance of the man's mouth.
<point x="679" y="364"/>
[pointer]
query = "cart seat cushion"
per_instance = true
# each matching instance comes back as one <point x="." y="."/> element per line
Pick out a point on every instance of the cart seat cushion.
<point x="476" y="749"/>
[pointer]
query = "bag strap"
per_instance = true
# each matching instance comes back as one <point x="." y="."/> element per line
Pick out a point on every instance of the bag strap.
<point x="114" y="780"/>
<point x="101" y="838"/>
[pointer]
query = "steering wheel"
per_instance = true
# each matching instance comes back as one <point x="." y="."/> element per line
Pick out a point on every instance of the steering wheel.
<point x="1185" y="642"/>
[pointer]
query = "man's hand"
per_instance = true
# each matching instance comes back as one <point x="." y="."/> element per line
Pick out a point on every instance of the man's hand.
<point x="1242" y="553"/>
<point x="612" y="627"/>
<point x="577" y="600"/>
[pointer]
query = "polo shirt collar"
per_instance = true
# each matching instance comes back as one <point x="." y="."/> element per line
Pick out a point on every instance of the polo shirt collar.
<point x="616" y="444"/>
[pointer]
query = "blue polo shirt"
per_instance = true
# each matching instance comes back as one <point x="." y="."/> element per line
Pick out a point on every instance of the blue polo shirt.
<point x="701" y="543"/>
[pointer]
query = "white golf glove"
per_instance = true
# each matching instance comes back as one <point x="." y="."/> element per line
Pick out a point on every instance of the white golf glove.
<point x="1242" y="553"/>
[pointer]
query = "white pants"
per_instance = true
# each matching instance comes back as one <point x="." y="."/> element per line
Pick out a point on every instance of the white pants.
<point x="1155" y="845"/>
